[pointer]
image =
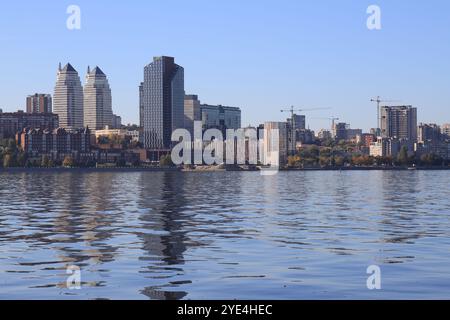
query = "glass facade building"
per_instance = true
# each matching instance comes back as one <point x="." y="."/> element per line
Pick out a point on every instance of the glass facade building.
<point x="162" y="100"/>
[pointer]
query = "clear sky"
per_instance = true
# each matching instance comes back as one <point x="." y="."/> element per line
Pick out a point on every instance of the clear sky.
<point x="256" y="54"/>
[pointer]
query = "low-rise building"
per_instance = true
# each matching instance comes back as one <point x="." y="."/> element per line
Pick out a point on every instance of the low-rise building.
<point x="220" y="117"/>
<point x="428" y="133"/>
<point x="56" y="143"/>
<point x="134" y="135"/>
<point x="366" y="139"/>
<point x="441" y="149"/>
<point x="387" y="147"/>
<point x="324" y="134"/>
<point x="14" y="122"/>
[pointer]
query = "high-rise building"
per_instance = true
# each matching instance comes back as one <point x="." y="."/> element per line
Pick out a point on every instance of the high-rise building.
<point x="97" y="100"/>
<point x="116" y="122"/>
<point x="340" y="131"/>
<point x="299" y="122"/>
<point x="428" y="133"/>
<point x="445" y="130"/>
<point x="275" y="143"/>
<point x="141" y="105"/>
<point x="39" y="103"/>
<point x="399" y="122"/>
<point x="68" y="98"/>
<point x="191" y="111"/>
<point x="296" y="126"/>
<point x="163" y="102"/>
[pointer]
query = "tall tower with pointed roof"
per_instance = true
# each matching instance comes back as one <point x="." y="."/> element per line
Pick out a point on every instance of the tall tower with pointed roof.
<point x="97" y="100"/>
<point x="68" y="98"/>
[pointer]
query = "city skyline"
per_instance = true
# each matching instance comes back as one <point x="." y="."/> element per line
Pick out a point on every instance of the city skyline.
<point x="243" y="156"/>
<point x="340" y="65"/>
<point x="97" y="78"/>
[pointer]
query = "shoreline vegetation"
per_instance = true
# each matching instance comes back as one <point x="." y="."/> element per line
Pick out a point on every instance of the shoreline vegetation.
<point x="313" y="158"/>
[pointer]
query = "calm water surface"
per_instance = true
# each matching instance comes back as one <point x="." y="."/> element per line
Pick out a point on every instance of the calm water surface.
<point x="296" y="235"/>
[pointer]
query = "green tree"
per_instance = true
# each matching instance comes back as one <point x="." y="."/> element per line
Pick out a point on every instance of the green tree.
<point x="68" y="162"/>
<point x="166" y="161"/>
<point x="8" y="161"/>
<point x="324" y="160"/>
<point x="339" y="161"/>
<point x="45" y="161"/>
<point x="21" y="159"/>
<point x="431" y="159"/>
<point x="402" y="157"/>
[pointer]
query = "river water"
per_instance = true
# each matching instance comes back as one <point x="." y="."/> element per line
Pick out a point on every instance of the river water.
<point x="225" y="235"/>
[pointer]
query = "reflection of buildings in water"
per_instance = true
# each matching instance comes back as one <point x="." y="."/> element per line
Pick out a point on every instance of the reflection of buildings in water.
<point x="80" y="203"/>
<point x="163" y="199"/>
<point x="397" y="211"/>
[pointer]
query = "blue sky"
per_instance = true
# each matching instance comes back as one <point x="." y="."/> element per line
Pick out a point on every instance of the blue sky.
<point x="256" y="54"/>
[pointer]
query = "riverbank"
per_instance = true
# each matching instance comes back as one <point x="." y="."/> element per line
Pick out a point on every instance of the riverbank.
<point x="93" y="169"/>
<point x="211" y="169"/>
<point x="372" y="168"/>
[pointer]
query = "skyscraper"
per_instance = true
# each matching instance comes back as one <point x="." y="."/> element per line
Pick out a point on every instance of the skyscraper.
<point x="39" y="103"/>
<point x="97" y="100"/>
<point x="68" y="98"/>
<point x="141" y="105"/>
<point x="162" y="102"/>
<point x="399" y="122"/>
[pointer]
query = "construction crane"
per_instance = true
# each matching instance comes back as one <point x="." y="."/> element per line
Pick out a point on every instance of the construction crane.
<point x="378" y="101"/>
<point x="333" y="120"/>
<point x="292" y="110"/>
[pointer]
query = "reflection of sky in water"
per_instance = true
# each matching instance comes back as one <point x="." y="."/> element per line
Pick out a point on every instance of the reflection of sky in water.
<point x="296" y="235"/>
